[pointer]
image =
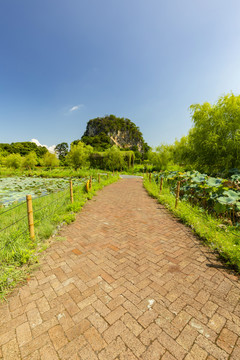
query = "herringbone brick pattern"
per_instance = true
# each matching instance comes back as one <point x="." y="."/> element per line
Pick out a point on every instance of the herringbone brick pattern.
<point x="129" y="282"/>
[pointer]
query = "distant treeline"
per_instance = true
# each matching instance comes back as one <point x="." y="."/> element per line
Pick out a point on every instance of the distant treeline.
<point x="22" y="148"/>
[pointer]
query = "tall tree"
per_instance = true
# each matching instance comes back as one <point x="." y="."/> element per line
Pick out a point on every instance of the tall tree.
<point x="61" y="150"/>
<point x="78" y="156"/>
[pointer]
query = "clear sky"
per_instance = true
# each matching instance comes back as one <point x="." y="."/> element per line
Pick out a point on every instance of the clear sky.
<point x="63" y="62"/>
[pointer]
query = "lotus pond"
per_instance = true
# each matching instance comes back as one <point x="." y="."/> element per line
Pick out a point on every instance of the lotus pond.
<point x="220" y="197"/>
<point x="15" y="189"/>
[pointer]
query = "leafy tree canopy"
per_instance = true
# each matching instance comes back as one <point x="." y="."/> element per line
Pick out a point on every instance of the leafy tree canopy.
<point x="23" y="148"/>
<point x="79" y="154"/>
<point x="213" y="143"/>
<point x="61" y="150"/>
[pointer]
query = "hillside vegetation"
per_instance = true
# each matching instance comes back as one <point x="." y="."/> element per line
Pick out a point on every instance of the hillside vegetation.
<point x="102" y="133"/>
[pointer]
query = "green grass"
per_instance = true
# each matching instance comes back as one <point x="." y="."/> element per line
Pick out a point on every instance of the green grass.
<point x="216" y="235"/>
<point x="58" y="172"/>
<point x="18" y="253"/>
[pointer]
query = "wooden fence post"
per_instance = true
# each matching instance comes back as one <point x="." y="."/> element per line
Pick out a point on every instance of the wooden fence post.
<point x="99" y="179"/>
<point x="71" y="191"/>
<point x="87" y="186"/>
<point x="150" y="177"/>
<point x="30" y="216"/>
<point x="90" y="183"/>
<point x="161" y="184"/>
<point x="107" y="175"/>
<point x="177" y="194"/>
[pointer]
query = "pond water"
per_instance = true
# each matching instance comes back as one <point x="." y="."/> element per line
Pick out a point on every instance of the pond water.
<point x="15" y="189"/>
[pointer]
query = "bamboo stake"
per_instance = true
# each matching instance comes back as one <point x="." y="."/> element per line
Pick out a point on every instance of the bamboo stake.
<point x="30" y="216"/>
<point x="150" y="177"/>
<point x="161" y="184"/>
<point x="177" y="194"/>
<point x="99" y="179"/>
<point x="90" y="183"/>
<point x="87" y="186"/>
<point x="71" y="191"/>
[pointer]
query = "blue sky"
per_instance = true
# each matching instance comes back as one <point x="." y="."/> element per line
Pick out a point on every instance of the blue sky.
<point x="147" y="60"/>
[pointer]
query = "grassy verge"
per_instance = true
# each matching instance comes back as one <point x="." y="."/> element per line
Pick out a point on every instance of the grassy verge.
<point x="218" y="237"/>
<point x="18" y="253"/>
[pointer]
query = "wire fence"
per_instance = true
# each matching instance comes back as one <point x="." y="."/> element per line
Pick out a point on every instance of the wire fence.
<point x="40" y="208"/>
<point x="12" y="230"/>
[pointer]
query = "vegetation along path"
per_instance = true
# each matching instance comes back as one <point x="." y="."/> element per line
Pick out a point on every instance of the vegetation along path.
<point x="129" y="282"/>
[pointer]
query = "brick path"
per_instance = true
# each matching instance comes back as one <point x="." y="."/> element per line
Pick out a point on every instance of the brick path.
<point x="130" y="282"/>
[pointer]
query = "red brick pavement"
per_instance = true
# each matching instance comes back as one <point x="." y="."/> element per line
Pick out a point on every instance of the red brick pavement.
<point x="129" y="282"/>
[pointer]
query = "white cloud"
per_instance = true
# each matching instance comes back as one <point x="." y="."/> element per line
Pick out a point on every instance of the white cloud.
<point x="51" y="148"/>
<point x="76" y="107"/>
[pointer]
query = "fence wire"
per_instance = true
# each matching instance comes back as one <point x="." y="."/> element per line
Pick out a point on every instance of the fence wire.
<point x="35" y="210"/>
<point x="4" y="212"/>
<point x="15" y="222"/>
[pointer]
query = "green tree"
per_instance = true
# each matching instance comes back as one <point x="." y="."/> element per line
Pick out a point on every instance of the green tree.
<point x="79" y="155"/>
<point x="50" y="160"/>
<point x="114" y="158"/>
<point x="13" y="161"/>
<point x="161" y="157"/>
<point x="214" y="139"/>
<point x="30" y="160"/>
<point x="61" y="150"/>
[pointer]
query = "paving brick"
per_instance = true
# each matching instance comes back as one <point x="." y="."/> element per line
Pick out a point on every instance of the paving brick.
<point x="33" y="356"/>
<point x="119" y="300"/>
<point x="48" y="352"/>
<point x="58" y="337"/>
<point x="168" y="356"/>
<point x="132" y="309"/>
<point x="187" y="337"/>
<point x="132" y="324"/>
<point x="114" y="331"/>
<point x="87" y="301"/>
<point x="98" y="322"/>
<point x="78" y="329"/>
<point x="43" y="304"/>
<point x="154" y="352"/>
<point x="87" y="353"/>
<point x="101" y="307"/>
<point x="227" y="340"/>
<point x="34" y="317"/>
<point x="34" y="345"/>
<point x="148" y="317"/>
<point x="150" y="333"/>
<point x="172" y="346"/>
<point x="217" y="322"/>
<point x="115" y="315"/>
<point x="95" y="339"/>
<point x="10" y="350"/>
<point x="23" y="334"/>
<point x="71" y="349"/>
<point x="209" y="308"/>
<point x="7" y="336"/>
<point x="115" y="348"/>
<point x="133" y="343"/>
<point x="196" y="353"/>
<point x="211" y="348"/>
